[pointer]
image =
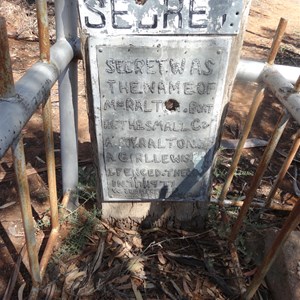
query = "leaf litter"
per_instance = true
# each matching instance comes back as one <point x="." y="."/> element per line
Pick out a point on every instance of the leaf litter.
<point x="156" y="263"/>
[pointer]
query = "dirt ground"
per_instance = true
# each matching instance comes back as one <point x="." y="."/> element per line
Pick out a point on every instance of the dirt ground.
<point x="263" y="19"/>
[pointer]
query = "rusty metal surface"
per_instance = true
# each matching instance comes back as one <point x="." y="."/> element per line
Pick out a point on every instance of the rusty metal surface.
<point x="44" y="43"/>
<point x="32" y="90"/>
<point x="253" y="109"/>
<point x="259" y="173"/>
<point x="284" y="169"/>
<point x="256" y="203"/>
<point x="238" y="152"/>
<point x="23" y="191"/>
<point x="21" y="176"/>
<point x="119" y="17"/>
<point x="277" y="40"/>
<point x="52" y="241"/>
<point x="65" y="200"/>
<point x="7" y="88"/>
<point x="284" y="92"/>
<point x="43" y="29"/>
<point x="50" y="157"/>
<point x="290" y="224"/>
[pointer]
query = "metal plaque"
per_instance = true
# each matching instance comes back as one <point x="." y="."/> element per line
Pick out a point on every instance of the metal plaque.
<point x="155" y="17"/>
<point x="157" y="106"/>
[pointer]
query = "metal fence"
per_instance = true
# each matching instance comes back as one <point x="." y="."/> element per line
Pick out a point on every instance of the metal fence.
<point x="289" y="97"/>
<point x="19" y="101"/>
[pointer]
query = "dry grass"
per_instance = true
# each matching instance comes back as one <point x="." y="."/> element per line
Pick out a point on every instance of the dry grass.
<point x="21" y="19"/>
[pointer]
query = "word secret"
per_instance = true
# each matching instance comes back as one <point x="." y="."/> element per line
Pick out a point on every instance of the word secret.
<point x="122" y="18"/>
<point x="160" y="66"/>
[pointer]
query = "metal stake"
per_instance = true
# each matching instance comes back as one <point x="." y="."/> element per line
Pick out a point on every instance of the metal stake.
<point x="277" y="40"/>
<point x="237" y="155"/>
<point x="44" y="42"/>
<point x="7" y="88"/>
<point x="66" y="28"/>
<point x="255" y="104"/>
<point x="259" y="173"/>
<point x="284" y="168"/>
<point x="290" y="224"/>
<point x="270" y="149"/>
<point x="28" y="223"/>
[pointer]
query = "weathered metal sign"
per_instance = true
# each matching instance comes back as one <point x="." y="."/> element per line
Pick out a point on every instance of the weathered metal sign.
<point x="161" y="16"/>
<point x="157" y="108"/>
<point x="157" y="100"/>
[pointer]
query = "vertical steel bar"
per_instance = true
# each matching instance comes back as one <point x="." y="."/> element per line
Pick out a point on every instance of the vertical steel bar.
<point x="277" y="40"/>
<point x="237" y="155"/>
<point x="7" y="88"/>
<point x="44" y="42"/>
<point x="290" y="224"/>
<point x="284" y="168"/>
<point x="256" y="102"/>
<point x="23" y="189"/>
<point x="271" y="146"/>
<point x="289" y="159"/>
<point x="43" y="29"/>
<point x="66" y="28"/>
<point x="259" y="173"/>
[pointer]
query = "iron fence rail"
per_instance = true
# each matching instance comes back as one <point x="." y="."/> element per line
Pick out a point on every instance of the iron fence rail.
<point x="31" y="91"/>
<point x="17" y="105"/>
<point x="7" y="88"/>
<point x="66" y="29"/>
<point x="249" y="70"/>
<point x="284" y="91"/>
<point x="34" y="86"/>
<point x="289" y="97"/>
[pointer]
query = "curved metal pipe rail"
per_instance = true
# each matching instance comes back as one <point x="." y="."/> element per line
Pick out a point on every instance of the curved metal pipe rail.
<point x="31" y="91"/>
<point x="250" y="70"/>
<point x="19" y="102"/>
<point x="289" y="97"/>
